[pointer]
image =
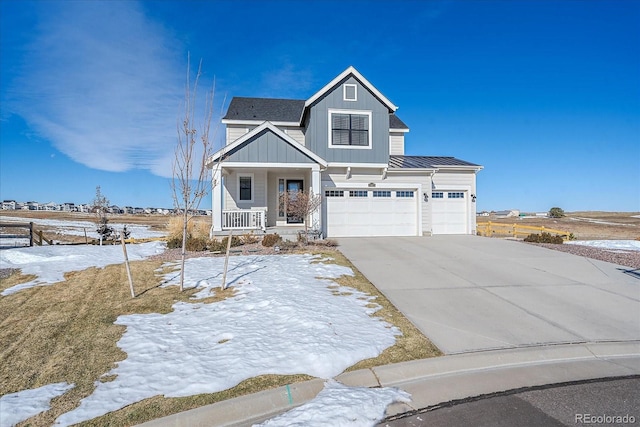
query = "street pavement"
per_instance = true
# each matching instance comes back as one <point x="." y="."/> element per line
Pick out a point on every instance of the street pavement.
<point x="469" y="293"/>
<point x="602" y="402"/>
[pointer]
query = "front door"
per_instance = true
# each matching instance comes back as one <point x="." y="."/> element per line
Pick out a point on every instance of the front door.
<point x="294" y="186"/>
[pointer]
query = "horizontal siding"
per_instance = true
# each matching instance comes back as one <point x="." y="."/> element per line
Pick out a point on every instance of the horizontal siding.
<point x="235" y="132"/>
<point x="231" y="200"/>
<point x="396" y="143"/>
<point x="295" y="133"/>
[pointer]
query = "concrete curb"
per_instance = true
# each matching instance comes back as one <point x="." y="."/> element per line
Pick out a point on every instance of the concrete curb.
<point x="434" y="381"/>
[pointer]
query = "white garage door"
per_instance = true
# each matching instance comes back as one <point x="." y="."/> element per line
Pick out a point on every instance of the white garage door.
<point x="366" y="212"/>
<point x="449" y="212"/>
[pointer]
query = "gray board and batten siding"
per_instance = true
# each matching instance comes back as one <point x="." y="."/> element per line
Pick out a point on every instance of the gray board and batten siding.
<point x="266" y="147"/>
<point x="317" y="126"/>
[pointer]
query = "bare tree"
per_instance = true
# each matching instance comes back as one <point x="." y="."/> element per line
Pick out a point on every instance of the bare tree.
<point x="302" y="205"/>
<point x="195" y="145"/>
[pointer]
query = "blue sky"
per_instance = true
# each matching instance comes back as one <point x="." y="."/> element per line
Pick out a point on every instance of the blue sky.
<point x="544" y="94"/>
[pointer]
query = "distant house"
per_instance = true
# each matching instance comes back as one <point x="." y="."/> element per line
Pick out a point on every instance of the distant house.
<point x="507" y="214"/>
<point x="49" y="207"/>
<point x="346" y="144"/>
<point x="84" y="208"/>
<point x="68" y="207"/>
<point x="31" y="206"/>
<point x="9" y="205"/>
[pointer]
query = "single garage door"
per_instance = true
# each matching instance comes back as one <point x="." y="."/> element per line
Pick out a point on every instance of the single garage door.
<point x="366" y="212"/>
<point x="449" y="212"/>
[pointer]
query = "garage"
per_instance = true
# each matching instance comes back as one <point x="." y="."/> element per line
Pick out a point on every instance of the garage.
<point x="371" y="212"/>
<point x="449" y="212"/>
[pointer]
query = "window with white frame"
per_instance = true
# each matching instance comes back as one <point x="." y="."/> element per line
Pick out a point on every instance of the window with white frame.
<point x="404" y="193"/>
<point x="455" y="195"/>
<point x="334" y="193"/>
<point x="349" y="129"/>
<point x="358" y="193"/>
<point x="350" y="92"/>
<point x="245" y="188"/>
<point x="437" y="195"/>
<point x="381" y="193"/>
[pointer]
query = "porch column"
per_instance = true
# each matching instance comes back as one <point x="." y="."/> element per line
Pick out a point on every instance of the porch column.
<point x="315" y="187"/>
<point x="216" y="199"/>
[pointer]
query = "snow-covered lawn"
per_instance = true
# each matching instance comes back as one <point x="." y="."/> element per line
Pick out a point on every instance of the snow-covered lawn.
<point x="17" y="407"/>
<point x="78" y="228"/>
<point x="50" y="263"/>
<point x="288" y="316"/>
<point x="611" y="245"/>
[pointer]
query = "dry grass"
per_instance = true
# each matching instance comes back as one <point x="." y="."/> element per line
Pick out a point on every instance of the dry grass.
<point x="66" y="332"/>
<point x="195" y="227"/>
<point x="591" y="225"/>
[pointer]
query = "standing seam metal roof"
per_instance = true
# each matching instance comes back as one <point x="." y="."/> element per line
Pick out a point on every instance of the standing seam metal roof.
<point x="424" y="162"/>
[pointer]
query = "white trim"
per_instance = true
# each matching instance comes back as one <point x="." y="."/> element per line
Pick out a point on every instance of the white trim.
<point x="350" y="71"/>
<point x="403" y="130"/>
<point x="458" y="168"/>
<point x="358" y="165"/>
<point x="276" y="131"/>
<point x="331" y="111"/>
<point x="256" y="165"/>
<point x="344" y="91"/>
<point x="253" y="180"/>
<point x="257" y="122"/>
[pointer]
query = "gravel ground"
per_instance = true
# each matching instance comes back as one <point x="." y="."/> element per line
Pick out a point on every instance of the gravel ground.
<point x="620" y="257"/>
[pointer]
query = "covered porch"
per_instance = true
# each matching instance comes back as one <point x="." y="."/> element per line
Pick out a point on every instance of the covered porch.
<point x="250" y="197"/>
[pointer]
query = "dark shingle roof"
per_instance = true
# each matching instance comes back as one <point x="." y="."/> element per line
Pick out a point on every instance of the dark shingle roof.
<point x="279" y="110"/>
<point x="424" y="162"/>
<point x="273" y="110"/>
<point x="396" y="123"/>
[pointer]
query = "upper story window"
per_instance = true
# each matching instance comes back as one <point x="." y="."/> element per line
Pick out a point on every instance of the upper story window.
<point x="349" y="92"/>
<point x="349" y="129"/>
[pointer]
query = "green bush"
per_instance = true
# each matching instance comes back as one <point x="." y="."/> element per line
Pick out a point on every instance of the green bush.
<point x="543" y="238"/>
<point x="556" y="212"/>
<point x="270" y="239"/>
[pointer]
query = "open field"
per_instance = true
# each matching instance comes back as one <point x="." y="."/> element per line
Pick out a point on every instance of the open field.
<point x="585" y="225"/>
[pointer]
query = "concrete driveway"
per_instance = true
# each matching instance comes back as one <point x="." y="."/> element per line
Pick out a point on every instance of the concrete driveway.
<point x="469" y="293"/>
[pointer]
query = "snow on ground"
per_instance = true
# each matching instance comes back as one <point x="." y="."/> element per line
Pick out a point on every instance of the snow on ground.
<point x="612" y="245"/>
<point x="78" y="228"/>
<point x="283" y="320"/>
<point x="50" y="263"/>
<point x="17" y="407"/>
<point x="338" y="405"/>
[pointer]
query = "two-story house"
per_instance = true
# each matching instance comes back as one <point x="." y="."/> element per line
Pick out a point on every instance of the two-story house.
<point x="346" y="144"/>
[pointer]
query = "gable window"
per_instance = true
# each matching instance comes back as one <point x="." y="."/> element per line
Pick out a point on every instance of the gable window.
<point x="349" y="92"/>
<point x="350" y="129"/>
<point x="245" y="188"/>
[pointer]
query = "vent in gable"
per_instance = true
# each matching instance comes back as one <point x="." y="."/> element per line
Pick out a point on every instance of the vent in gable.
<point x="350" y="92"/>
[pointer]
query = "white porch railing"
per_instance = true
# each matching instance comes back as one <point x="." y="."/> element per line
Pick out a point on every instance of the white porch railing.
<point x="244" y="219"/>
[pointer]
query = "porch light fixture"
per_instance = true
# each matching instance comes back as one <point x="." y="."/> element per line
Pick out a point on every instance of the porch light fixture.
<point x="473" y="198"/>
<point x="425" y="197"/>
<point x="348" y="175"/>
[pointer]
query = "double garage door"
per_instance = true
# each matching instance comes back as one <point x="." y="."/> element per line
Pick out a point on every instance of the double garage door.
<point x="449" y="212"/>
<point x="371" y="212"/>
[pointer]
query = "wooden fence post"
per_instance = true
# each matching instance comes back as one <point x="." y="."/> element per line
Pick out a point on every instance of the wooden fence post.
<point x="126" y="261"/>
<point x="31" y="234"/>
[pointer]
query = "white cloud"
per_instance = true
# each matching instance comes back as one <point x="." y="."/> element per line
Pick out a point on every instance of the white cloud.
<point x="104" y="84"/>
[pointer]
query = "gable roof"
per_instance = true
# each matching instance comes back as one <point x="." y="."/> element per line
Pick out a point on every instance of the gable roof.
<point x="351" y="72"/>
<point x="272" y="128"/>
<point x="427" y="162"/>
<point x="269" y="109"/>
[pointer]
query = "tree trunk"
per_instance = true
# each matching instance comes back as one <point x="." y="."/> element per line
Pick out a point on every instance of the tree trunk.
<point x="184" y="249"/>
